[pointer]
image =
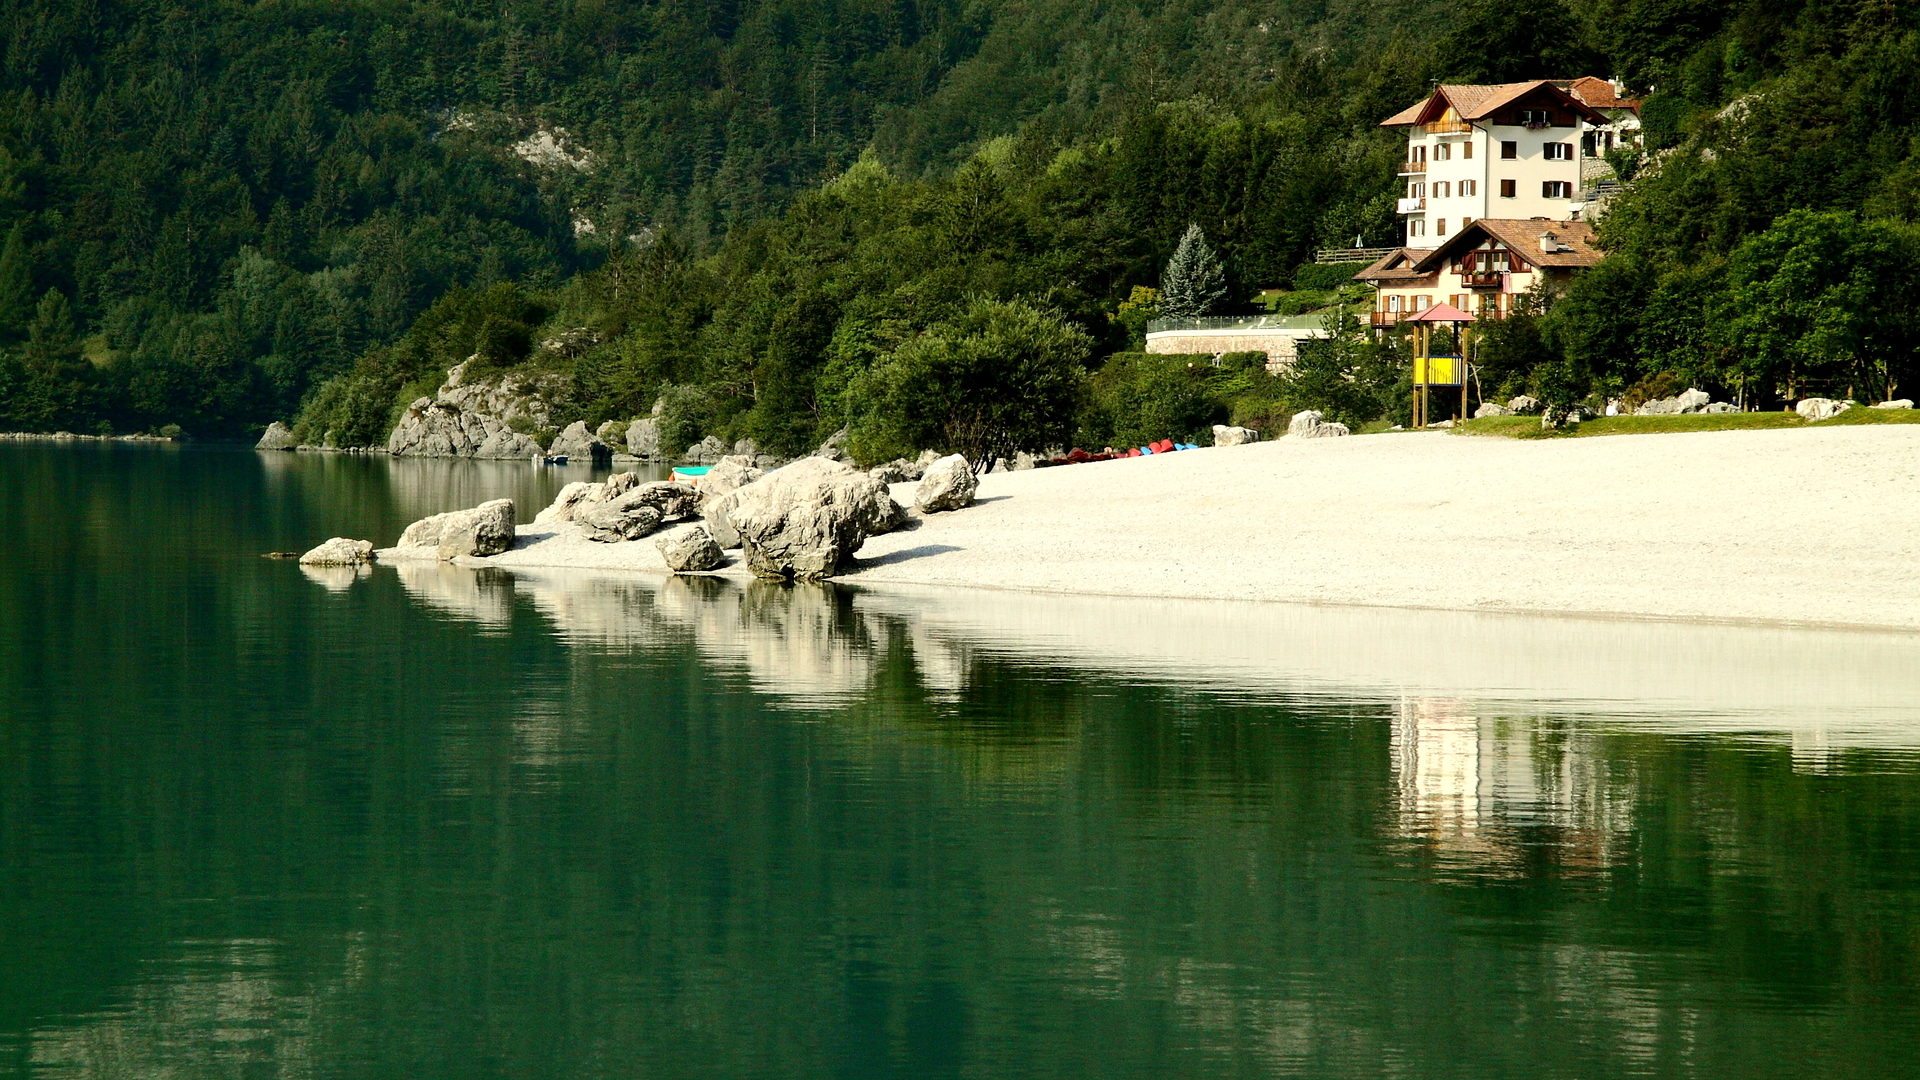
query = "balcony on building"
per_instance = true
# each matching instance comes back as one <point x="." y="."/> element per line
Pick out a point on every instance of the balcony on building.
<point x="1412" y="206"/>
<point x="1413" y="168"/>
<point x="1484" y="280"/>
<point x="1448" y="127"/>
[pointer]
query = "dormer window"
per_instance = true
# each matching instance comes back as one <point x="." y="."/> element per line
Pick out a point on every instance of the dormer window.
<point x="1536" y="118"/>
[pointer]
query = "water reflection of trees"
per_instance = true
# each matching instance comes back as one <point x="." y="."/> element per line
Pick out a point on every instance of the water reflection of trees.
<point x="688" y="827"/>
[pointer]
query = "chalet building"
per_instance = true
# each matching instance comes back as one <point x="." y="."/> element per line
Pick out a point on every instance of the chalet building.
<point x="1480" y="268"/>
<point x="1511" y="150"/>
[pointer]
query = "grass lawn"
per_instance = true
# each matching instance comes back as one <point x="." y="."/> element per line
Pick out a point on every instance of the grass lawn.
<point x="1528" y="427"/>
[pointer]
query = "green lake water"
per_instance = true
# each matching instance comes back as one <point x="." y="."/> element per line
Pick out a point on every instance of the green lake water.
<point x="432" y="822"/>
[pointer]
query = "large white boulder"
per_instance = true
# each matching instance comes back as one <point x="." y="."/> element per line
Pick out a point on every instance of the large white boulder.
<point x="577" y="443"/>
<point x="690" y="549"/>
<point x="1819" y="408"/>
<point x="1311" y="424"/>
<point x="278" y="436"/>
<point x="1692" y="401"/>
<point x="1491" y="408"/>
<point x="631" y="512"/>
<point x="803" y="521"/>
<point x="1898" y="403"/>
<point x="1233" y="436"/>
<point x="484" y="530"/>
<point x="339" y="551"/>
<point x="948" y="484"/>
<point x="1524" y="405"/>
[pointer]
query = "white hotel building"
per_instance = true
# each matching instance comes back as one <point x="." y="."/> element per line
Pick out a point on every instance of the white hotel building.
<point x="1513" y="150"/>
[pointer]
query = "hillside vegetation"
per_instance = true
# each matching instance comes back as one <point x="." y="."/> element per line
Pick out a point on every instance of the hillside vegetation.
<point x="780" y="218"/>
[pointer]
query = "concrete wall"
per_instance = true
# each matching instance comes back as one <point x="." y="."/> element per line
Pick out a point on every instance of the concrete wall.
<point x="1281" y="346"/>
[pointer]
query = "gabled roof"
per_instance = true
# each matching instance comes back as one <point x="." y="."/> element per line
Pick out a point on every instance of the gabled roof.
<point x="1522" y="237"/>
<point x="1474" y="101"/>
<point x="1396" y="265"/>
<point x="1600" y="93"/>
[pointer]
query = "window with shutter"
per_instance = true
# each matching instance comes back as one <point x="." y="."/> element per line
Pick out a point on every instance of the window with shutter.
<point x="1440" y="227"/>
<point x="1509" y="188"/>
<point x="1509" y="149"/>
<point x="1466" y="150"/>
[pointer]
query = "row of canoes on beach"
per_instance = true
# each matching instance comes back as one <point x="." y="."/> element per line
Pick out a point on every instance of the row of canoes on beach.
<point x="1077" y="456"/>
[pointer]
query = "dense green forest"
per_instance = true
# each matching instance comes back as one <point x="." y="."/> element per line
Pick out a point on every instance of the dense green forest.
<point x="783" y="218"/>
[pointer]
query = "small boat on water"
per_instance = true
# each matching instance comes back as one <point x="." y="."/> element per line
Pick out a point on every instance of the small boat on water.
<point x="690" y="474"/>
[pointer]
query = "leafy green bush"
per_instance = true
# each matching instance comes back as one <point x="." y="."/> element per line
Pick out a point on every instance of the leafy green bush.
<point x="1004" y="377"/>
<point x="1139" y="398"/>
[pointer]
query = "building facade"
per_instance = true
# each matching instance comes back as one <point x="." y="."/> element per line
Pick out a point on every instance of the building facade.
<point x="1511" y="150"/>
<point x="1482" y="269"/>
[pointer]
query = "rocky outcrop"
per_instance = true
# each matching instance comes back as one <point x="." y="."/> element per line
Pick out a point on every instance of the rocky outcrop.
<point x="949" y="484"/>
<point x="1491" y="408"/>
<point x="486" y="418"/>
<point x="278" y="437"/>
<point x="643" y="438"/>
<point x="690" y="550"/>
<point x="486" y="529"/>
<point x="576" y="443"/>
<point x="805" y="520"/>
<point x="1312" y="425"/>
<point x="614" y="434"/>
<point x="1224" y="435"/>
<point x="340" y="551"/>
<point x="1897" y="403"/>
<point x="707" y="451"/>
<point x="1524" y="405"/>
<point x="730" y="475"/>
<point x="1819" y="408"/>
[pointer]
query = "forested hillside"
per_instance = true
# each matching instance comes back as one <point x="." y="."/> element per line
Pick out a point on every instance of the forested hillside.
<point x="218" y="214"/>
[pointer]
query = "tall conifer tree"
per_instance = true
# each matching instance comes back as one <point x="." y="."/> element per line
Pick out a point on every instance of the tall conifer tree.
<point x="1194" y="283"/>
<point x="16" y="284"/>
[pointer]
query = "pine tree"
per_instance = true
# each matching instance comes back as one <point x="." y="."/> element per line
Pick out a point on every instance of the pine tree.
<point x="1194" y="283"/>
<point x="16" y="284"/>
<point x="52" y="338"/>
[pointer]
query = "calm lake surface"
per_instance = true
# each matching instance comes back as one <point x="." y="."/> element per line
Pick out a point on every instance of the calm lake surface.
<point x="256" y="822"/>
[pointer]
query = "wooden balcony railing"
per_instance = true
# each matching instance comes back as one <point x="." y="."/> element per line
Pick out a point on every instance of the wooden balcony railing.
<point x="1488" y="280"/>
<point x="1389" y="318"/>
<point x="1448" y="127"/>
<point x="1412" y="168"/>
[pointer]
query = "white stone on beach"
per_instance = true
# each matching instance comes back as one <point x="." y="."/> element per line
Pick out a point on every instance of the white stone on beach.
<point x="948" y="484"/>
<point x="1310" y="424"/>
<point x="690" y="549"/>
<point x="339" y="551"/>
<point x="1233" y="436"/>
<point x="484" y="530"/>
<point x="1898" y="403"/>
<point x="1819" y="408"/>
<point x="1491" y="408"/>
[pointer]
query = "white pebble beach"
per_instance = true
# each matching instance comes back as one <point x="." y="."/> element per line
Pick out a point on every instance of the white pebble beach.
<point x="1801" y="526"/>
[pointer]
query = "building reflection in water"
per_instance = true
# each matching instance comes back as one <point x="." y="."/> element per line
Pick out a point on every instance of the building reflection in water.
<point x="1483" y="789"/>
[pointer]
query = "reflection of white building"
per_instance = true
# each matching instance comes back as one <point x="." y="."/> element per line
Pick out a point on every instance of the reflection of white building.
<point x="1469" y="783"/>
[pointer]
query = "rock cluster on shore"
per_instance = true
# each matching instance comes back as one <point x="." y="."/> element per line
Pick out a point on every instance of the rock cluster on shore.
<point x="486" y="529"/>
<point x="1311" y="424"/>
<point x="483" y="419"/>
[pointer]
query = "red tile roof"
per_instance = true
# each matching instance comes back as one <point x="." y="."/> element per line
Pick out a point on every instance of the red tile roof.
<point x="1473" y="101"/>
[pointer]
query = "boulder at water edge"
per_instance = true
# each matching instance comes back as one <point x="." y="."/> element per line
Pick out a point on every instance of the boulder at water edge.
<point x="1233" y="436"/>
<point x="806" y="519"/>
<point x="486" y="529"/>
<point x="340" y="551"/>
<point x="577" y="443"/>
<point x="690" y="550"/>
<point x="278" y="437"/>
<point x="734" y="472"/>
<point x="949" y="484"/>
<point x="1819" y="408"/>
<point x="1310" y="425"/>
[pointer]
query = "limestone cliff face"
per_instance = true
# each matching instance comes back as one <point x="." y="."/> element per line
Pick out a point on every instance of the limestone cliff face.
<point x="475" y="419"/>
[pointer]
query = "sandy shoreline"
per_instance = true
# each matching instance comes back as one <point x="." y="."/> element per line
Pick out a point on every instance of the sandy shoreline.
<point x="1802" y="526"/>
